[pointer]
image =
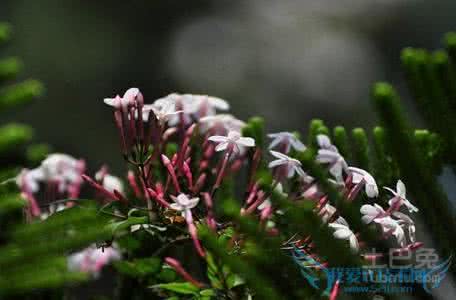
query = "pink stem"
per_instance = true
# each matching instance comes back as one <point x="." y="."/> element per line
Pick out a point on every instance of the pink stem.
<point x="194" y="234"/>
<point x="181" y="271"/>
<point x="119" y="122"/>
<point x="355" y="190"/>
<point x="221" y="172"/>
<point x="188" y="174"/>
<point x="99" y="188"/>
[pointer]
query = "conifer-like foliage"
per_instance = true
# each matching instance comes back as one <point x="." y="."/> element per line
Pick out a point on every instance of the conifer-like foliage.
<point x="214" y="208"/>
<point x="33" y="255"/>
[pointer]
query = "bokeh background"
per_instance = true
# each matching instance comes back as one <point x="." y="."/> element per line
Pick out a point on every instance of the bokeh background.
<point x="288" y="61"/>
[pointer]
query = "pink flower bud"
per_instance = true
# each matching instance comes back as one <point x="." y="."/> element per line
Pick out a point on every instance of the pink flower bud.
<point x="334" y="291"/>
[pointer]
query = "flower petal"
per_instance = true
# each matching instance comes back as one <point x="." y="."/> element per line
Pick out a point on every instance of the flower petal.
<point x="218" y="138"/>
<point x="222" y="146"/>
<point x="354" y="243"/>
<point x="131" y="94"/>
<point x="276" y="163"/>
<point x="110" y="101"/>
<point x="176" y="206"/>
<point x="400" y="189"/>
<point x="342" y="234"/>
<point x="279" y="155"/>
<point x="246" y="141"/>
<point x="298" y="145"/>
<point x="218" y="103"/>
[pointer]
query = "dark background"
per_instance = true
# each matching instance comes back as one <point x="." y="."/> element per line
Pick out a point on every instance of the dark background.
<point x="288" y="61"/>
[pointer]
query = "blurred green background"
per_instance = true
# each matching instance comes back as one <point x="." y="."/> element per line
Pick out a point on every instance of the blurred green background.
<point x="288" y="61"/>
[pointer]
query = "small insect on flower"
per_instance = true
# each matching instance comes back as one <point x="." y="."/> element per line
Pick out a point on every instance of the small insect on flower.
<point x="232" y="142"/>
<point x="290" y="165"/>
<point x="343" y="232"/>
<point x="400" y="195"/>
<point x="287" y="139"/>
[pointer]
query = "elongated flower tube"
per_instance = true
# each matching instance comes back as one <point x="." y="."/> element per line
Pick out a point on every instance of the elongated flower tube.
<point x="210" y="219"/>
<point x="334" y="291"/>
<point x="128" y="114"/>
<point x="169" y="166"/>
<point x="103" y="191"/>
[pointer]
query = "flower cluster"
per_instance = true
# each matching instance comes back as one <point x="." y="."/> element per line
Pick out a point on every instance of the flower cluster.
<point x="58" y="177"/>
<point x="181" y="153"/>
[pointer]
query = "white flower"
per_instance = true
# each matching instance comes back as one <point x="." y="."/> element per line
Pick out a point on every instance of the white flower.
<point x="234" y="140"/>
<point x="61" y="168"/>
<point x="370" y="212"/>
<point x="193" y="105"/>
<point x="171" y="98"/>
<point x="183" y="203"/>
<point x="370" y="184"/>
<point x="343" y="232"/>
<point x="207" y="105"/>
<point x="325" y="143"/>
<point x="112" y="183"/>
<point x="127" y="100"/>
<point x="221" y="123"/>
<point x="163" y="113"/>
<point x="337" y="164"/>
<point x="92" y="259"/>
<point x="53" y="208"/>
<point x="291" y="165"/>
<point x="266" y="203"/>
<point x="390" y="225"/>
<point x="400" y="193"/>
<point x="407" y="223"/>
<point x="287" y="138"/>
<point x="29" y="179"/>
<point x="327" y="212"/>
